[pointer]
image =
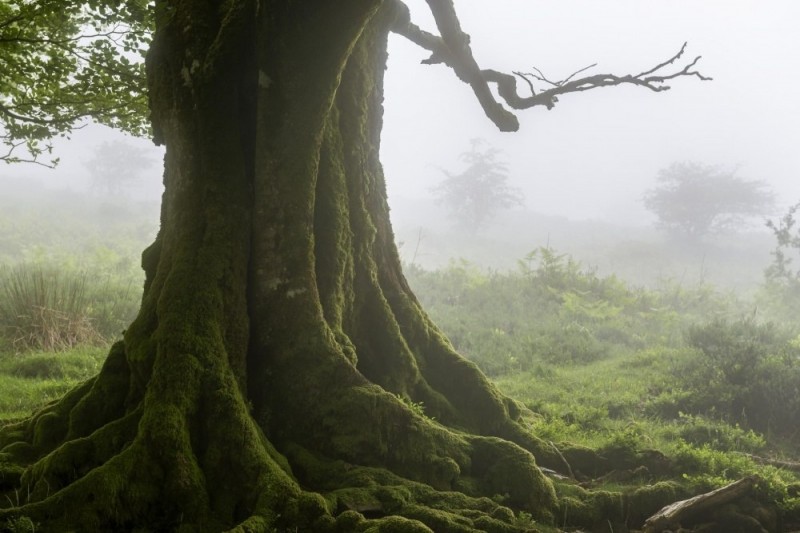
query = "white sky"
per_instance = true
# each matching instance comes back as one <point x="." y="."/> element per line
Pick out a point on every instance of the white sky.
<point x="595" y="154"/>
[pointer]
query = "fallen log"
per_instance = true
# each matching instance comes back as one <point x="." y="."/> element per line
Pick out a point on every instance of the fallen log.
<point x="786" y="465"/>
<point x="672" y="515"/>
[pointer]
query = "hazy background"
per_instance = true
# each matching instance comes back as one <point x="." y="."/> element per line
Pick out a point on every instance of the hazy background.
<point x="585" y="165"/>
<point x="594" y="154"/>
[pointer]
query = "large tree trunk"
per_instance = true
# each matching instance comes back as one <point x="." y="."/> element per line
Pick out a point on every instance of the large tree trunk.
<point x="280" y="373"/>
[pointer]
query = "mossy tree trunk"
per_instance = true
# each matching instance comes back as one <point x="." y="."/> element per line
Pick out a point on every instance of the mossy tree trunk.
<point x="280" y="374"/>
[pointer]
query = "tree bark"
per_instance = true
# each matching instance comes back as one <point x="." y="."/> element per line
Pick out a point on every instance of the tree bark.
<point x="280" y="374"/>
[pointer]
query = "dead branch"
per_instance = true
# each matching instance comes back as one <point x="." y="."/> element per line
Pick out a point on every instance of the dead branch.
<point x="452" y="48"/>
<point x="672" y="515"/>
<point x="541" y="77"/>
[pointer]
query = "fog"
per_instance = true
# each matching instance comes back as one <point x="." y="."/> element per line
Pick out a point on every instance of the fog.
<point x="594" y="155"/>
<point x="584" y="165"/>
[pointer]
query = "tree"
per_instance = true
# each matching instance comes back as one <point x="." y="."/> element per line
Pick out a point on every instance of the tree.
<point x="693" y="200"/>
<point x="64" y="61"/>
<point x="782" y="277"/>
<point x="474" y="196"/>
<point x="117" y="166"/>
<point x="279" y="353"/>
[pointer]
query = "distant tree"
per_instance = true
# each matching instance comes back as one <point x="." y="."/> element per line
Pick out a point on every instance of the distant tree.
<point x="116" y="166"/>
<point x="693" y="200"/>
<point x="783" y="275"/>
<point x="474" y="196"/>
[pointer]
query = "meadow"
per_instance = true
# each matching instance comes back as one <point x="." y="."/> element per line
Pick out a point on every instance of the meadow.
<point x="705" y="378"/>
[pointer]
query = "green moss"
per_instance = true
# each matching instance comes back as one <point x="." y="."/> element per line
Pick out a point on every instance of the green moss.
<point x="438" y="520"/>
<point x="493" y="525"/>
<point x="48" y="430"/>
<point x="12" y="433"/>
<point x="20" y="452"/>
<point x="349" y="521"/>
<point x="10" y="473"/>
<point x="579" y="507"/>
<point x="103" y="401"/>
<point x="504" y="468"/>
<point x="397" y="524"/>
<point x="645" y="501"/>
<point x="20" y="524"/>
<point x="583" y="461"/>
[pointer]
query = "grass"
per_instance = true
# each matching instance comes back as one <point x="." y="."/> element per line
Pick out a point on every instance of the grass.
<point x="594" y="404"/>
<point x="31" y="380"/>
<point x="687" y="371"/>
<point x="600" y="364"/>
<point x="51" y="308"/>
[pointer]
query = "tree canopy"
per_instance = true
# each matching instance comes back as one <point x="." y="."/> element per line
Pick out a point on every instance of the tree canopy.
<point x="63" y="62"/>
<point x="693" y="200"/>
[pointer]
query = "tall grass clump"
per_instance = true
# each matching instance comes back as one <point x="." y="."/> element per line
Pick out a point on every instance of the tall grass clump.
<point x="46" y="308"/>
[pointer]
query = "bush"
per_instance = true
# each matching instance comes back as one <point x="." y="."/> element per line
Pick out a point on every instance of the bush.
<point x="749" y="374"/>
<point x="553" y="311"/>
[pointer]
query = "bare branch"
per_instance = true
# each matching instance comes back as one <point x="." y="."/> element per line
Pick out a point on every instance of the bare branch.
<point x="576" y="73"/>
<point x="665" y="63"/>
<point x="452" y="48"/>
<point x="526" y="80"/>
<point x="541" y="77"/>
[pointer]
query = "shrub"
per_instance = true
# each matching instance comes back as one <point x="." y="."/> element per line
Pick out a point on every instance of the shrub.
<point x="551" y="310"/>
<point x="699" y="431"/>
<point x="750" y="375"/>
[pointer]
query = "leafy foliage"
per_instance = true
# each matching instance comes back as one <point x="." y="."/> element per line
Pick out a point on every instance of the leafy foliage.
<point x="693" y="200"/>
<point x="750" y="375"/>
<point x="475" y="196"/>
<point x="66" y="61"/>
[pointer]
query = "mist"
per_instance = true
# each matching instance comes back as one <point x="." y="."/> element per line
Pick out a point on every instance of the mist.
<point x="584" y="166"/>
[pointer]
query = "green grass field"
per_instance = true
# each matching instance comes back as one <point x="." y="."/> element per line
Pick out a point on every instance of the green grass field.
<point x="30" y="380"/>
<point x="688" y="373"/>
